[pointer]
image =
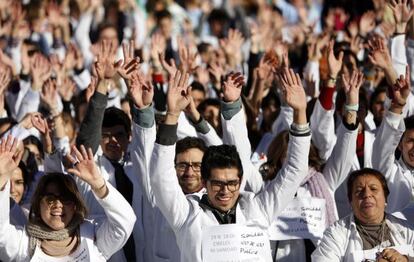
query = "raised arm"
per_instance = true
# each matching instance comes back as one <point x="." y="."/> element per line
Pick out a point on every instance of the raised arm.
<point x="143" y="129"/>
<point x="167" y="192"/>
<point x="322" y="118"/>
<point x="235" y="130"/>
<point x="281" y="190"/>
<point x="13" y="240"/>
<point x="120" y="217"/>
<point x="340" y="161"/>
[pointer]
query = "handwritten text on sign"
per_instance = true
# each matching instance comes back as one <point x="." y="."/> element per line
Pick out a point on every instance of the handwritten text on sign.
<point x="235" y="243"/>
<point x="303" y="218"/>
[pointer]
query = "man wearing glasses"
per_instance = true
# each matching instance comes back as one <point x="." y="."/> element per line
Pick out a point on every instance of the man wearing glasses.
<point x="221" y="170"/>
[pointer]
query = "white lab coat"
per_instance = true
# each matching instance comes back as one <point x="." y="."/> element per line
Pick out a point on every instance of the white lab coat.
<point x="335" y="172"/>
<point x="400" y="179"/>
<point x="188" y="219"/>
<point x="104" y="238"/>
<point x="159" y="236"/>
<point x="342" y="239"/>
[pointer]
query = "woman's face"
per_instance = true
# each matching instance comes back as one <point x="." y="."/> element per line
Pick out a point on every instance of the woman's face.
<point x="17" y="185"/>
<point x="56" y="210"/>
<point x="368" y="199"/>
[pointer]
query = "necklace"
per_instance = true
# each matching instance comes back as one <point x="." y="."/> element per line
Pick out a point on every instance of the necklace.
<point x="368" y="238"/>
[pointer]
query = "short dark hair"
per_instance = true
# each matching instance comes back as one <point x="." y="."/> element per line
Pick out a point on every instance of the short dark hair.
<point x="67" y="187"/>
<point x="409" y="122"/>
<point x="203" y="47"/>
<point x="222" y="156"/>
<point x="379" y="90"/>
<point x="159" y="15"/>
<point x="208" y="102"/>
<point x="195" y="85"/>
<point x="114" y="116"/>
<point x="367" y="172"/>
<point x="189" y="143"/>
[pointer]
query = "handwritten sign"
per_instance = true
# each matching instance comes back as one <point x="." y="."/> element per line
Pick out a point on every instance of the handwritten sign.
<point x="303" y="218"/>
<point x="235" y="243"/>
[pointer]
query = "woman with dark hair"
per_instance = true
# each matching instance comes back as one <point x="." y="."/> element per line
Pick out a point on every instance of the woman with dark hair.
<point x="57" y="227"/>
<point x="368" y="234"/>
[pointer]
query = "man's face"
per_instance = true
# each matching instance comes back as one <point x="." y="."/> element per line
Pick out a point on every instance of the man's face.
<point x="378" y="108"/>
<point x="223" y="188"/>
<point x="187" y="166"/>
<point x="114" y="142"/>
<point x="110" y="35"/>
<point x="198" y="97"/>
<point x="407" y="147"/>
<point x="165" y="26"/>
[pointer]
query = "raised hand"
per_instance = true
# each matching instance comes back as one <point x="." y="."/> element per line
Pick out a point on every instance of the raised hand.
<point x="8" y="160"/>
<point x="352" y="86"/>
<point x="67" y="89"/>
<point x="141" y="90"/>
<point x="130" y="63"/>
<point x="40" y="70"/>
<point x="232" y="87"/>
<point x="292" y="89"/>
<point x="187" y="57"/>
<point x="334" y="64"/>
<point x="367" y="23"/>
<point x="401" y="90"/>
<point x="49" y="94"/>
<point x="85" y="168"/>
<point x="171" y="68"/>
<point x="402" y="13"/>
<point x="5" y="78"/>
<point x="379" y="54"/>
<point x="177" y="95"/>
<point x="105" y="67"/>
<point x="158" y="45"/>
<point x="42" y="126"/>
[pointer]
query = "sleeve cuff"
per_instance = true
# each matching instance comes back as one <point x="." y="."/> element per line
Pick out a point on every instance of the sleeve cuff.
<point x="229" y="110"/>
<point x="393" y="119"/>
<point x="143" y="117"/>
<point x="201" y="126"/>
<point x="166" y="135"/>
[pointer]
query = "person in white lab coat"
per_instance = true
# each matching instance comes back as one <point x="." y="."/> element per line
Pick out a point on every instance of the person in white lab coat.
<point x="57" y="227"/>
<point x="369" y="234"/>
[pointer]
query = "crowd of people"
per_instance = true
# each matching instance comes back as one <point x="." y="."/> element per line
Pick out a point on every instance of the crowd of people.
<point x="206" y="130"/>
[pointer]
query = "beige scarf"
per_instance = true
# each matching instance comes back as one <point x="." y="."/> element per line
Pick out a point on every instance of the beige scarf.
<point x="56" y="243"/>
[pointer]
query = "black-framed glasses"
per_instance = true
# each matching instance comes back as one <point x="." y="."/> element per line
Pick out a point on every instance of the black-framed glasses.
<point x="232" y="185"/>
<point x="182" y="166"/>
<point x="52" y="198"/>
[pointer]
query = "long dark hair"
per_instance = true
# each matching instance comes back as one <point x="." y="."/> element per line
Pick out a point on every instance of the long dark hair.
<point x="67" y="187"/>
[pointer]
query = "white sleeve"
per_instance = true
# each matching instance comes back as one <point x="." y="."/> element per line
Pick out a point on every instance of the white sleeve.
<point x="283" y="121"/>
<point x="386" y="141"/>
<point x="143" y="140"/>
<point x="30" y="103"/>
<point x="398" y="54"/>
<point x="210" y="138"/>
<point x="312" y="70"/>
<point x="235" y="133"/>
<point x="281" y="190"/>
<point x="167" y="192"/>
<point x="322" y="125"/>
<point x="115" y="230"/>
<point x="332" y="246"/>
<point x="339" y="163"/>
<point x="13" y="239"/>
<point x="410" y="59"/>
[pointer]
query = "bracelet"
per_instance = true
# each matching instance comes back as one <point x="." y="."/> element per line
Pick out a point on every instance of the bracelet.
<point x="298" y="127"/>
<point x="172" y="114"/>
<point x="352" y="107"/>
<point x="101" y="187"/>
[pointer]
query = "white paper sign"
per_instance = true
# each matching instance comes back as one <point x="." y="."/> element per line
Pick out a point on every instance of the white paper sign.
<point x="235" y="243"/>
<point x="303" y="218"/>
<point x="371" y="254"/>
